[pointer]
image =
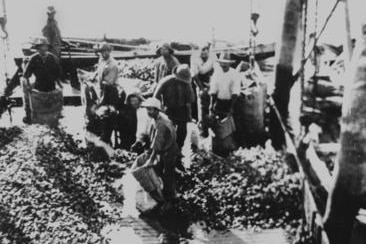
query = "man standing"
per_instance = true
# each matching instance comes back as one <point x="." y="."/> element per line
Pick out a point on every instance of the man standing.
<point x="166" y="63"/>
<point x="52" y="32"/>
<point x="107" y="75"/>
<point x="202" y="70"/>
<point x="162" y="137"/>
<point x="47" y="71"/>
<point x="176" y="93"/>
<point x="225" y="87"/>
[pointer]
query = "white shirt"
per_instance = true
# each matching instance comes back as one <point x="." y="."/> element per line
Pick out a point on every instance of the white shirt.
<point x="143" y="123"/>
<point x="225" y="84"/>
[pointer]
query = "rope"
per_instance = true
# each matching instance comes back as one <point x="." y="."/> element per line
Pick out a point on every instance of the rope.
<point x="305" y="20"/>
<point x="316" y="39"/>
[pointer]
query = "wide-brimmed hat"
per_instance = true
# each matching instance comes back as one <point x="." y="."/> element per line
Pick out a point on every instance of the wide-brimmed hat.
<point x="104" y="46"/>
<point x="152" y="103"/>
<point x="41" y="41"/>
<point x="51" y="10"/>
<point x="183" y="73"/>
<point x="225" y="58"/>
<point x="165" y="45"/>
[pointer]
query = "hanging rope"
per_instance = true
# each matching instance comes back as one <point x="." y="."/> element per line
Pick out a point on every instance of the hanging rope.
<point x="316" y="39"/>
<point x="304" y="26"/>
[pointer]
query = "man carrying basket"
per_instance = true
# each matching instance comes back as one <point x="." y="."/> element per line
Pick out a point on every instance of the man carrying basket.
<point x="164" y="150"/>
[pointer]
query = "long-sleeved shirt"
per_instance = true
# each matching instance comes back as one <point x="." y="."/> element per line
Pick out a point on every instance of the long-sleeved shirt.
<point x="162" y="135"/>
<point x="107" y="71"/>
<point x="225" y="84"/>
<point x="143" y="124"/>
<point x="176" y="96"/>
<point x="46" y="71"/>
<point x="164" y="67"/>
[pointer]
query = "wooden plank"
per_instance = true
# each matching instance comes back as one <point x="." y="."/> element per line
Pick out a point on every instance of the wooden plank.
<point x="319" y="168"/>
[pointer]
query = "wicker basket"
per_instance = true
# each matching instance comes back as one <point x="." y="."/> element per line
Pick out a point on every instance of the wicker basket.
<point x="146" y="176"/>
<point x="46" y="107"/>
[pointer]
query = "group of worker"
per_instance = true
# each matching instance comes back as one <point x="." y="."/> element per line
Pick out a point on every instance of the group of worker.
<point x="158" y="123"/>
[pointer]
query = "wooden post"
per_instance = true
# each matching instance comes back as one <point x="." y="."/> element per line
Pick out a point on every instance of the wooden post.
<point x="286" y="51"/>
<point x="284" y="78"/>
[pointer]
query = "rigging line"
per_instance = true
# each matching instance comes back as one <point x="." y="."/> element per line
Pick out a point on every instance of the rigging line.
<point x="305" y="22"/>
<point x="303" y="62"/>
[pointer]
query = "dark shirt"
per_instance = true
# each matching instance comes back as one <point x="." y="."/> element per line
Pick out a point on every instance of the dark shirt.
<point x="177" y="96"/>
<point x="46" y="70"/>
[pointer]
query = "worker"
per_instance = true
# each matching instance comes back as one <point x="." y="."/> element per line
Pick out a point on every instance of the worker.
<point x="128" y="119"/>
<point x="176" y="93"/>
<point x="202" y="70"/>
<point x="166" y="63"/>
<point x="46" y="68"/>
<point x="52" y="32"/>
<point x="107" y="75"/>
<point x="225" y="87"/>
<point x="162" y="137"/>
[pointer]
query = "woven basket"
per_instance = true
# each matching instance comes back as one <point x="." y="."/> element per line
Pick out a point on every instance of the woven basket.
<point x="46" y="107"/>
<point x="146" y="176"/>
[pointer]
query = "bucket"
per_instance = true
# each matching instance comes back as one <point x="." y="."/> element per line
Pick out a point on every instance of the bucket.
<point x="46" y="107"/>
<point x="225" y="127"/>
<point x="146" y="176"/>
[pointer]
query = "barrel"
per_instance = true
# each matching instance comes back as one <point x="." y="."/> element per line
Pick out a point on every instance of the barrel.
<point x="46" y="107"/>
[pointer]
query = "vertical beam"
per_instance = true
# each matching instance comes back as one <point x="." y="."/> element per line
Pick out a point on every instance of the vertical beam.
<point x="286" y="52"/>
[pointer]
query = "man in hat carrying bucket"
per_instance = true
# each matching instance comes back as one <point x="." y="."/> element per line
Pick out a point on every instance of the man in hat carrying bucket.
<point x="47" y="71"/>
<point x="162" y="138"/>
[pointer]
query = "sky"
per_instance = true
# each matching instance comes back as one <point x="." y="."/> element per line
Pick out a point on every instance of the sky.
<point x="174" y="20"/>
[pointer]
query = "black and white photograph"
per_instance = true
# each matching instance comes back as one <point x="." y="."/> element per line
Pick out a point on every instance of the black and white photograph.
<point x="182" y="122"/>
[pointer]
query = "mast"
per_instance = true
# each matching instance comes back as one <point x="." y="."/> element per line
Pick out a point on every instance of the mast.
<point x="286" y="49"/>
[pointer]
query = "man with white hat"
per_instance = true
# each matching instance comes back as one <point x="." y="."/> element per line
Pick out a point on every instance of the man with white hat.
<point x="52" y="32"/>
<point x="176" y="93"/>
<point x="162" y="137"/>
<point x="225" y="87"/>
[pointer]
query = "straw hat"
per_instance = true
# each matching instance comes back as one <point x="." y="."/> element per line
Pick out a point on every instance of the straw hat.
<point x="51" y="10"/>
<point x="225" y="58"/>
<point x="165" y="45"/>
<point x="183" y="73"/>
<point x="152" y="103"/>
